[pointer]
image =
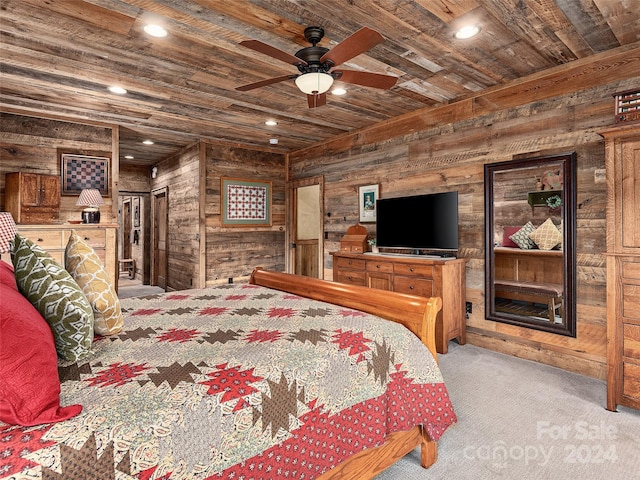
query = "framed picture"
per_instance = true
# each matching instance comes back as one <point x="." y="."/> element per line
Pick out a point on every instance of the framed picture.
<point x="136" y="212"/>
<point x="82" y="171"/>
<point x="245" y="202"/>
<point x="367" y="196"/>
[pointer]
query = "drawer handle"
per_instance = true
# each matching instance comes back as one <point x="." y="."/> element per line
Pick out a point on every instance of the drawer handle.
<point x="411" y="269"/>
<point x="377" y="266"/>
<point x="41" y="240"/>
<point x="411" y="287"/>
<point x="87" y="238"/>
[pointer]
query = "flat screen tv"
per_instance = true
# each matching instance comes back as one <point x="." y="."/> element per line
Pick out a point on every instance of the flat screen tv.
<point x="419" y="222"/>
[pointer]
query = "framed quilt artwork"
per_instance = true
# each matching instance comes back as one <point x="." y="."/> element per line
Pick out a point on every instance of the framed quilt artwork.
<point x="82" y="171"/>
<point x="245" y="202"/>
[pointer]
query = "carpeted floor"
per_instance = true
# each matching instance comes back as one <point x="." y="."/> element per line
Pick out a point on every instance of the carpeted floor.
<point x="523" y="420"/>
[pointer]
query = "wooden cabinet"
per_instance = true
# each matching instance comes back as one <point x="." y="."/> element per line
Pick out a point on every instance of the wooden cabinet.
<point x="622" y="151"/>
<point x="54" y="238"/>
<point x="32" y="198"/>
<point x="425" y="277"/>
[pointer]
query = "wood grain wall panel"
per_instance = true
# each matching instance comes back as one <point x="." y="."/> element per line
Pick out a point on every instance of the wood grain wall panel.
<point x="452" y="157"/>
<point x="233" y="252"/>
<point x="32" y="145"/>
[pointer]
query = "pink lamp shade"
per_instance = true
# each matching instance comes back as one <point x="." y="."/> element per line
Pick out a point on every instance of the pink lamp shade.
<point x="7" y="231"/>
<point x="91" y="199"/>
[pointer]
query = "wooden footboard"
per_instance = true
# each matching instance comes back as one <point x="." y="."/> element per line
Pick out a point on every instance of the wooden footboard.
<point x="418" y="314"/>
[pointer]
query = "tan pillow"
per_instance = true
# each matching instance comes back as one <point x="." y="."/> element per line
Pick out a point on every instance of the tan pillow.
<point x="84" y="265"/>
<point x="546" y="236"/>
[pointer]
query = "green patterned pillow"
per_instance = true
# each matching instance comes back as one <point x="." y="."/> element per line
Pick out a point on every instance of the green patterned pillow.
<point x="84" y="265"/>
<point x="521" y="237"/>
<point x="53" y="292"/>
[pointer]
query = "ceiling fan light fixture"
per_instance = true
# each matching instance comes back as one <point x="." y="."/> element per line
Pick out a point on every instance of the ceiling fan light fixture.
<point x="314" y="82"/>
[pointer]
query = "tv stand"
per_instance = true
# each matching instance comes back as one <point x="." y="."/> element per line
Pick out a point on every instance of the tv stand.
<point x="416" y="275"/>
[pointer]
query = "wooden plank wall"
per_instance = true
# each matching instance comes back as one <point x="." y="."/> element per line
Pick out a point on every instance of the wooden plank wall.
<point x="233" y="252"/>
<point x="180" y="173"/>
<point x="33" y="145"/>
<point x="449" y="154"/>
<point x="230" y="252"/>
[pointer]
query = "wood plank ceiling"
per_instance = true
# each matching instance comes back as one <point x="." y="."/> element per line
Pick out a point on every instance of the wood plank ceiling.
<point x="59" y="57"/>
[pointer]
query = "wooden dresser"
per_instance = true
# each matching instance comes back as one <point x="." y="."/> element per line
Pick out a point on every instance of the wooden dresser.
<point x="53" y="238"/>
<point x="425" y="277"/>
<point x="622" y="151"/>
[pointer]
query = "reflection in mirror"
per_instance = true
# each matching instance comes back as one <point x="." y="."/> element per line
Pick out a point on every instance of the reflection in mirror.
<point x="529" y="240"/>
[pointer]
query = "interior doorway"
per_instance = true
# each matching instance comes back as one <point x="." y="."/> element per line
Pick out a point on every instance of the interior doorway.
<point x="159" y="228"/>
<point x="306" y="239"/>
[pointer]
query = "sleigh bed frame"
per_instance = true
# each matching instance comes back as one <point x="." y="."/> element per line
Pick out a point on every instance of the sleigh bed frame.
<point x="418" y="314"/>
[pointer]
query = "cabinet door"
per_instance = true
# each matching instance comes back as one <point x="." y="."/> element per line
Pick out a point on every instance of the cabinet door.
<point x="630" y="179"/>
<point x="381" y="281"/>
<point x="30" y="190"/>
<point x="49" y="191"/>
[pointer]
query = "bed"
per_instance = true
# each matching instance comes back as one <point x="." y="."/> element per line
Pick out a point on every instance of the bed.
<point x="283" y="377"/>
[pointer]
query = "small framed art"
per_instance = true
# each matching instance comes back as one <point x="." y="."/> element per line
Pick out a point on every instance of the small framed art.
<point x="80" y="172"/>
<point x="136" y="212"/>
<point x="245" y="202"/>
<point x="367" y="196"/>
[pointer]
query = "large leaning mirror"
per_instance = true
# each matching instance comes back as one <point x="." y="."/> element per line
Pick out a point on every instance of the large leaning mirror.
<point x="530" y="243"/>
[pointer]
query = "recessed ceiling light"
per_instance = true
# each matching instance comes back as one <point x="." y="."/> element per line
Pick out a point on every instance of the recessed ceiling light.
<point x="273" y="141"/>
<point x="338" y="91"/>
<point x="155" y="31"/>
<point x="118" y="90"/>
<point x="271" y="123"/>
<point x="129" y="157"/>
<point x="467" y="31"/>
<point x="147" y="142"/>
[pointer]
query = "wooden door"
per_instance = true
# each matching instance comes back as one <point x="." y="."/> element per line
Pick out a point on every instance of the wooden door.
<point x="306" y="227"/>
<point x="126" y="228"/>
<point x="50" y="191"/>
<point x="30" y="190"/>
<point x="160" y="220"/>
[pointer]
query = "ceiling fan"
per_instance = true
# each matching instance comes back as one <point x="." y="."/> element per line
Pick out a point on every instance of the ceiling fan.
<point x="315" y="64"/>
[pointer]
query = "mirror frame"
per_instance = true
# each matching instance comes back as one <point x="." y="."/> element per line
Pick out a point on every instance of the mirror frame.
<point x="567" y="161"/>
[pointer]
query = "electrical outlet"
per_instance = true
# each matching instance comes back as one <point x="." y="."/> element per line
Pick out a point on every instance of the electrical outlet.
<point x="230" y="279"/>
<point x="468" y="307"/>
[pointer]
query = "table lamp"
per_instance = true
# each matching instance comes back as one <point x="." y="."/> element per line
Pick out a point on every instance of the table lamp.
<point x="91" y="199"/>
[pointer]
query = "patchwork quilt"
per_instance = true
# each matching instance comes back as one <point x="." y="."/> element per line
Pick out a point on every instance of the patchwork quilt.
<point x="239" y="382"/>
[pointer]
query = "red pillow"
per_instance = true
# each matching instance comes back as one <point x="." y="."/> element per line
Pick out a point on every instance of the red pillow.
<point x="506" y="241"/>
<point x="7" y="277"/>
<point x="29" y="382"/>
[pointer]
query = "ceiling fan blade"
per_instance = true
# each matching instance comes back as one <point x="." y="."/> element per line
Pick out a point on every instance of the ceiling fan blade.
<point x="264" y="83"/>
<point x="352" y="46"/>
<point x="272" y="52"/>
<point x="317" y="100"/>
<point x="366" y="79"/>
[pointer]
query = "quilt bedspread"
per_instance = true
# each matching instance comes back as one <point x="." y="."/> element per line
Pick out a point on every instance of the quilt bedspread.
<point x="238" y="381"/>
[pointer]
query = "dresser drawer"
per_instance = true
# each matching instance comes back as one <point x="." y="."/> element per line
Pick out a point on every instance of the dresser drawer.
<point x="350" y="263"/>
<point x="45" y="239"/>
<point x="95" y="238"/>
<point x="422" y="287"/>
<point x="384" y="267"/>
<point x="631" y="270"/>
<point x="631" y="341"/>
<point x="631" y="380"/>
<point x="631" y="301"/>
<point x="352" y="277"/>
<point x="413" y="269"/>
